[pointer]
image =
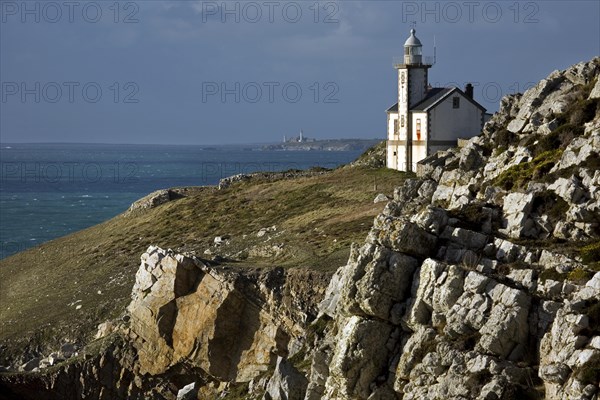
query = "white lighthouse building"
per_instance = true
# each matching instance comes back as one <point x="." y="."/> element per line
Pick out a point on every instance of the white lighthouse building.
<point x="425" y="119"/>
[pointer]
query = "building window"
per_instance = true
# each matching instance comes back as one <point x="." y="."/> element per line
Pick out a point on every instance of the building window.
<point x="418" y="128"/>
<point x="395" y="127"/>
<point x="395" y="154"/>
<point x="402" y="121"/>
<point x="456" y="102"/>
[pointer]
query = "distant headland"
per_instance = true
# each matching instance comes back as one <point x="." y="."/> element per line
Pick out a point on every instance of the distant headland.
<point x="302" y="143"/>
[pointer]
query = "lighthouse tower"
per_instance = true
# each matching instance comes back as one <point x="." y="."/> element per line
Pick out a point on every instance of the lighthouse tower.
<point x="412" y="88"/>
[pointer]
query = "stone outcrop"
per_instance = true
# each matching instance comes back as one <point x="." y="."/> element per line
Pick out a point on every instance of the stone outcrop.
<point x="109" y="372"/>
<point x="375" y="157"/>
<point x="184" y="311"/>
<point x="224" y="183"/>
<point x="163" y="196"/>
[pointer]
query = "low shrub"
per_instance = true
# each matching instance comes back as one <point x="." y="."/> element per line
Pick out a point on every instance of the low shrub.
<point x="593" y="313"/>
<point x="503" y="139"/>
<point x="590" y="253"/>
<point x="590" y="373"/>
<point x="583" y="111"/>
<point x="560" y="138"/>
<point x="548" y="203"/>
<point x="551" y="274"/>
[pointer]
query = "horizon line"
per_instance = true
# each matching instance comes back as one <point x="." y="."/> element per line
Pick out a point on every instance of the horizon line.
<point x="178" y="144"/>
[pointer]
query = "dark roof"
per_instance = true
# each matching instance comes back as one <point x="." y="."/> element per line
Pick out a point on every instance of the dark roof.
<point x="434" y="96"/>
<point x="393" y="108"/>
<point x="431" y="97"/>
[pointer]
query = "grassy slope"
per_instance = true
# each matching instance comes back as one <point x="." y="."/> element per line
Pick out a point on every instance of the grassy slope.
<point x="316" y="218"/>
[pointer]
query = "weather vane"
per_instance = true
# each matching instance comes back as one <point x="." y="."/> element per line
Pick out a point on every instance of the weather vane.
<point x="414" y="24"/>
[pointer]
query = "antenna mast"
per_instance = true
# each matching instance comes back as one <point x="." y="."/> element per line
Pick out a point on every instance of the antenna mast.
<point x="434" y="51"/>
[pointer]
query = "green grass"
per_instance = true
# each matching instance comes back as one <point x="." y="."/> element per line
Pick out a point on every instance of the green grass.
<point x="580" y="275"/>
<point x="317" y="218"/>
<point x="518" y="176"/>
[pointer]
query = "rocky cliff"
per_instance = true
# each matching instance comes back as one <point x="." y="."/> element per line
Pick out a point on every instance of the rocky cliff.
<point x="474" y="281"/>
<point x="479" y="280"/>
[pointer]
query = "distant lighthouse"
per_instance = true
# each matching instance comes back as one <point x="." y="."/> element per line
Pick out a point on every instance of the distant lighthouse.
<point x="301" y="137"/>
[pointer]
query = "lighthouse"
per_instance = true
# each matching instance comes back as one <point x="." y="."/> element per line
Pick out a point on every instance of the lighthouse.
<point x="412" y="87"/>
<point x="426" y="119"/>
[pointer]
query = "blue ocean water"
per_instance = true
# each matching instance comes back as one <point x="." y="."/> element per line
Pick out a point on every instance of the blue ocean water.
<point x="50" y="190"/>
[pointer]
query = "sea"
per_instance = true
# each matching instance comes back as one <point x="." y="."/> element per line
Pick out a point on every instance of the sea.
<point x="51" y="190"/>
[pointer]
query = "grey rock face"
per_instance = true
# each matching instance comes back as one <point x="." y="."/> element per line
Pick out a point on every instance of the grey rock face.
<point x="469" y="313"/>
<point x="358" y="358"/>
<point x="286" y="383"/>
<point x="517" y="207"/>
<point x="595" y="93"/>
<point x="406" y="237"/>
<point x="162" y="196"/>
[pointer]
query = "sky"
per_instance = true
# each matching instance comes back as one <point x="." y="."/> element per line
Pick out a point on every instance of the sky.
<point x="227" y="72"/>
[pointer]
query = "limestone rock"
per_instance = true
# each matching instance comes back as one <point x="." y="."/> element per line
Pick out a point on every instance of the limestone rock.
<point x="595" y="93"/>
<point x="286" y="383"/>
<point x="319" y="372"/>
<point x="432" y="219"/>
<point x="507" y="328"/>
<point x="30" y="365"/>
<point x="384" y="283"/>
<point x="160" y="197"/>
<point x="358" y="358"/>
<point x="470" y="157"/>
<point x="105" y="329"/>
<point x="406" y="237"/>
<point x="516" y="209"/>
<point x="328" y="305"/>
<point x="579" y="150"/>
<point x="183" y="310"/>
<point x="188" y="392"/>
<point x="380" y="198"/>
